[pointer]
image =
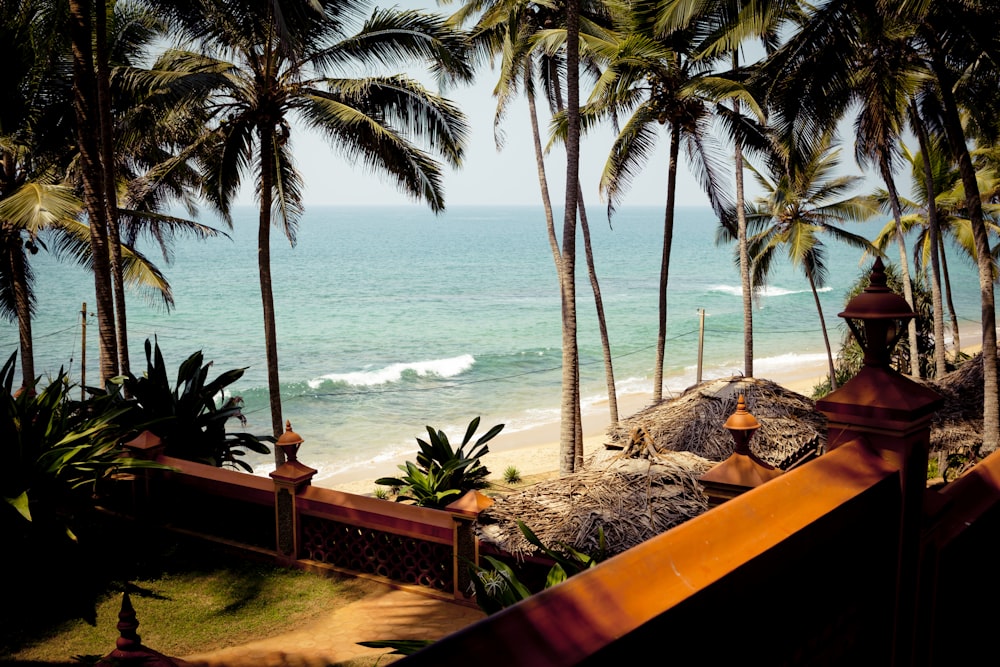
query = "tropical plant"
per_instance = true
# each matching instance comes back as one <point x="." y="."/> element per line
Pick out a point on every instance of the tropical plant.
<point x="186" y="415"/>
<point x="802" y="202"/>
<point x="262" y="63"/>
<point x="528" y="38"/>
<point x="442" y="471"/>
<point x="934" y="219"/>
<point x="56" y="453"/>
<point x="425" y="487"/>
<point x="651" y="78"/>
<point x="512" y="475"/>
<point x="877" y="54"/>
<point x="499" y="586"/>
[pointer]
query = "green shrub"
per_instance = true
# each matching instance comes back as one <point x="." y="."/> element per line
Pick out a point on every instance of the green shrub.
<point x="56" y="452"/>
<point x="441" y="472"/>
<point x="186" y="416"/>
<point x="498" y="586"/>
<point x="512" y="475"/>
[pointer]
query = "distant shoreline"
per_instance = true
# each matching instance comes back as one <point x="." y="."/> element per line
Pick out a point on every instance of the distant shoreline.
<point x="535" y="450"/>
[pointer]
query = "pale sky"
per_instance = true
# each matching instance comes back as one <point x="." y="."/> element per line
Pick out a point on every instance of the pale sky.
<point x="488" y="176"/>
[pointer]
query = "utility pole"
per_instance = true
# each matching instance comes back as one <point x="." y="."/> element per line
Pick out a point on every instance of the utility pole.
<point x="83" y="352"/>
<point x="701" y="340"/>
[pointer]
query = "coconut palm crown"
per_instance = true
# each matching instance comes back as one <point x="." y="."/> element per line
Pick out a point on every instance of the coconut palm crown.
<point x="257" y="64"/>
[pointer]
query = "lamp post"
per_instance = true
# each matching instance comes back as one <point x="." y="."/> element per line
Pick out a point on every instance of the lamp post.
<point x="877" y="317"/>
<point x="290" y="479"/>
<point x="741" y="425"/>
<point x="892" y="414"/>
<point x="288" y="442"/>
<point x="742" y="471"/>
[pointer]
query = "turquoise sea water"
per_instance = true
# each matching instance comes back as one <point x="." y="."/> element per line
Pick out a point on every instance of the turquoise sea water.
<point x="391" y="318"/>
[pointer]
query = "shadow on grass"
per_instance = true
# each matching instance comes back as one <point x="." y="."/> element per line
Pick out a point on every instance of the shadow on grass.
<point x="51" y="580"/>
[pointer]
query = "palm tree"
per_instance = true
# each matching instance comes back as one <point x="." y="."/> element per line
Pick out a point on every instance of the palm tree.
<point x="88" y="116"/>
<point x="724" y="26"/>
<point x="802" y="202"/>
<point x="264" y="62"/>
<point x="934" y="218"/>
<point x="651" y="78"/>
<point x="951" y="44"/>
<point x="944" y="33"/>
<point x="570" y="433"/>
<point x="529" y="41"/>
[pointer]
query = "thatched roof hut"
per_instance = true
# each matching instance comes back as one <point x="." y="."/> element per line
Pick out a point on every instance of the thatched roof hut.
<point x="631" y="500"/>
<point x="693" y="422"/>
<point x="957" y="428"/>
<point x="652" y="484"/>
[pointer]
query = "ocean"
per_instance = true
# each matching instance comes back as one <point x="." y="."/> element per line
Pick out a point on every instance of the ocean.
<point x="391" y="318"/>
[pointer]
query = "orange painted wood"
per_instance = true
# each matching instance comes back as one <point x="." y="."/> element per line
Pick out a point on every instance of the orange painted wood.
<point x="409" y="520"/>
<point x="566" y="624"/>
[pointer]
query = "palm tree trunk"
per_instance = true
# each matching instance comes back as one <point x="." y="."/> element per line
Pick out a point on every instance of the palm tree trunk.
<point x="110" y="189"/>
<point x="609" y="371"/>
<point x="956" y="338"/>
<point x="960" y="153"/>
<point x="934" y="233"/>
<point x="826" y="336"/>
<point x="266" y="135"/>
<point x="904" y="266"/>
<point x="543" y="184"/>
<point x="668" y="237"/>
<point x="570" y="373"/>
<point x="22" y="305"/>
<point x="741" y="232"/>
<point x="87" y="117"/>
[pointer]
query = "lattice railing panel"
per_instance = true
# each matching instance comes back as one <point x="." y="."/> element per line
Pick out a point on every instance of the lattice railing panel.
<point x="403" y="559"/>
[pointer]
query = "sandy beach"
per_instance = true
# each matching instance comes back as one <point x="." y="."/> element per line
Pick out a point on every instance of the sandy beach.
<point x="535" y="451"/>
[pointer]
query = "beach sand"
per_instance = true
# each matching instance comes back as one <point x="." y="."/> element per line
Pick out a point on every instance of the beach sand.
<point x="535" y="451"/>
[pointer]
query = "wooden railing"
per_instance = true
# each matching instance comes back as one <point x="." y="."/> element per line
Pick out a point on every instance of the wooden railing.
<point x="846" y="560"/>
<point x="311" y="527"/>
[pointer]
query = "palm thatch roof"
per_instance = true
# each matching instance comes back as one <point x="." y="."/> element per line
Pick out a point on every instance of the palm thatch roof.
<point x="652" y="484"/>
<point x="694" y="421"/>
<point x="957" y="428"/>
<point x="631" y="500"/>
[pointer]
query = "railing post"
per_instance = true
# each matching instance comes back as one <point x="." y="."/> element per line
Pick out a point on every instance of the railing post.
<point x="465" y="548"/>
<point x="289" y="479"/>
<point x="146" y="446"/>
<point x="893" y="414"/>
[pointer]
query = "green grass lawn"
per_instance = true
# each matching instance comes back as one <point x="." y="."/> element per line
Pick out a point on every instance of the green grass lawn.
<point x="189" y="597"/>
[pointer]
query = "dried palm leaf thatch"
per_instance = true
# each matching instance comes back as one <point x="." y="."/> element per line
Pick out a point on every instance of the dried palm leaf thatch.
<point x="694" y="422"/>
<point x="630" y="500"/>
<point x="957" y="428"/>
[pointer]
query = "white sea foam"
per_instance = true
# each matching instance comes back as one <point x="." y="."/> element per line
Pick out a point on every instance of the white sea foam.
<point x="444" y="368"/>
<point x="768" y="290"/>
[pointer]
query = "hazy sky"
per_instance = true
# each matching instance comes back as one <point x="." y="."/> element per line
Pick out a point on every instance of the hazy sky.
<point x="488" y="176"/>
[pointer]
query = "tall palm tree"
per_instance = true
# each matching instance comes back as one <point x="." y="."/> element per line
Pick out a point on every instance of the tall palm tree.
<point x="933" y="219"/>
<point x="570" y="432"/>
<point x="724" y="26"/>
<point x="88" y="116"/>
<point x="802" y="202"/>
<point x="527" y="42"/>
<point x="957" y="47"/>
<point x="264" y="62"/>
<point x="956" y="39"/>
<point x="650" y="78"/>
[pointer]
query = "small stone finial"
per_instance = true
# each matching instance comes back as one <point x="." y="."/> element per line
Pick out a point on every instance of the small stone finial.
<point x="127" y="626"/>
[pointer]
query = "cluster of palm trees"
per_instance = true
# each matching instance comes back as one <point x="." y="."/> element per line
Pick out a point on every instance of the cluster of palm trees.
<point x="99" y="129"/>
<point x="95" y="133"/>
<point x="927" y="67"/>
